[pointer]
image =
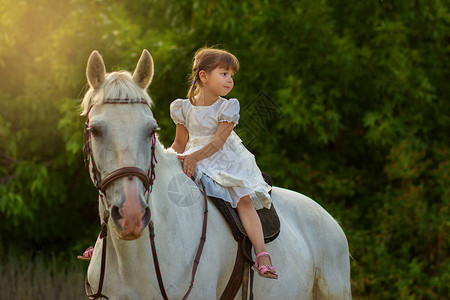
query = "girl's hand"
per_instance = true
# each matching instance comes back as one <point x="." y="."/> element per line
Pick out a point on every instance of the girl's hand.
<point x="189" y="164"/>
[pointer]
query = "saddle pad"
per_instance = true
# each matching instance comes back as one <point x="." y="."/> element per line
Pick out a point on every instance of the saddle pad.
<point x="269" y="217"/>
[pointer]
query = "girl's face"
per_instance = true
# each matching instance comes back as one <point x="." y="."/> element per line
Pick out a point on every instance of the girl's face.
<point x="219" y="81"/>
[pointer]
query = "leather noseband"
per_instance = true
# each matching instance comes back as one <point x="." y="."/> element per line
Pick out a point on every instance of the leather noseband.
<point x="124" y="172"/>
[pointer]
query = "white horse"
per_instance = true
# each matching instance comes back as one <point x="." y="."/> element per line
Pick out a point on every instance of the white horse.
<point x="311" y="253"/>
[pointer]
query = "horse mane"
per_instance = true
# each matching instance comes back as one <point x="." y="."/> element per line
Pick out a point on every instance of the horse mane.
<point x="117" y="85"/>
<point x="168" y="155"/>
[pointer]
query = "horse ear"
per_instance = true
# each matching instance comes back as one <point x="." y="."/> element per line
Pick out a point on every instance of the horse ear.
<point x="95" y="70"/>
<point x="144" y="70"/>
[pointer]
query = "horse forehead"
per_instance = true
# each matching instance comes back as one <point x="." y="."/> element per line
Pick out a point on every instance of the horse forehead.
<point x="125" y="116"/>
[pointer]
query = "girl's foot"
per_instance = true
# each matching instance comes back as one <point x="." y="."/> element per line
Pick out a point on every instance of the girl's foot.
<point x="267" y="270"/>
<point x="87" y="255"/>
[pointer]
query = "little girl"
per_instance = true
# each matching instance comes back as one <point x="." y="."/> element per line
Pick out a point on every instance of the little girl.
<point x="214" y="153"/>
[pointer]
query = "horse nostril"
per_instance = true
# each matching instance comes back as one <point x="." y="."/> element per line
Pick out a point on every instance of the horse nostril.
<point x="147" y="216"/>
<point x="115" y="213"/>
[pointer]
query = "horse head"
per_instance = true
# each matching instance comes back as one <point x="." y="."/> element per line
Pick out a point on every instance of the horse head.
<point x="119" y="143"/>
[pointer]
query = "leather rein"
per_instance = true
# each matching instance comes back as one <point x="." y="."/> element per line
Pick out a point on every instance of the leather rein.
<point x="147" y="179"/>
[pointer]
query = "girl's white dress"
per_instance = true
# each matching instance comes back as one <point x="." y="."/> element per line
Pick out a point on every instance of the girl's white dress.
<point x="231" y="172"/>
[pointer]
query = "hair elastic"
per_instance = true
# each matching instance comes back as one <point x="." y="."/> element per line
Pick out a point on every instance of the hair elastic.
<point x="194" y="82"/>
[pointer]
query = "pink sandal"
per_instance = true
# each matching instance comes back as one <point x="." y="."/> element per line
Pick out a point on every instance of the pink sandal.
<point x="265" y="271"/>
<point x="87" y="255"/>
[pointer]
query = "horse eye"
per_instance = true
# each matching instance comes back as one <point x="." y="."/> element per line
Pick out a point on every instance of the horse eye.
<point x="95" y="131"/>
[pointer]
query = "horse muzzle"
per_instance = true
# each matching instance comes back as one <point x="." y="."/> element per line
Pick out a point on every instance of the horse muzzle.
<point x="129" y="225"/>
<point x="131" y="214"/>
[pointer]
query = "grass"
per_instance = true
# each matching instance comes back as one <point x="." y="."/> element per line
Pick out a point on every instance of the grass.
<point x="23" y="277"/>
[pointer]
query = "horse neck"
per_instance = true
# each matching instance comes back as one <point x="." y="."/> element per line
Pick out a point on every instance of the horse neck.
<point x="168" y="172"/>
<point x="170" y="217"/>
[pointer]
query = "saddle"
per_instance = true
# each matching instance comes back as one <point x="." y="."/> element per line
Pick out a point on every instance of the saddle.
<point x="269" y="217"/>
<point x="271" y="229"/>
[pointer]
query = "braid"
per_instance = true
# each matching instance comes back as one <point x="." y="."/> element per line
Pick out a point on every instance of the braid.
<point x="193" y="90"/>
<point x="191" y="93"/>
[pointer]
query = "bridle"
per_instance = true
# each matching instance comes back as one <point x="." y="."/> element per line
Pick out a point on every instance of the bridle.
<point x="101" y="184"/>
<point x="147" y="178"/>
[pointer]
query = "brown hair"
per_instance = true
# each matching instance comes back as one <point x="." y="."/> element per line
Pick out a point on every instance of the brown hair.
<point x="207" y="59"/>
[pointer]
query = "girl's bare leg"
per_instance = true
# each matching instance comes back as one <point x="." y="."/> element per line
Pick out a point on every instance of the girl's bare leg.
<point x="252" y="225"/>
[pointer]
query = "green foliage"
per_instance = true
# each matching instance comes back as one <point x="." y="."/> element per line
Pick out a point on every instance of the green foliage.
<point x="344" y="101"/>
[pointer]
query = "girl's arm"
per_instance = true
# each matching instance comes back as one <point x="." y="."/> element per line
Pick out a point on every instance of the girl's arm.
<point x="190" y="161"/>
<point x="221" y="136"/>
<point x="181" y="137"/>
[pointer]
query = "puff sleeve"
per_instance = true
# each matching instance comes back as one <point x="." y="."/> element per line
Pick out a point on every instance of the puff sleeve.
<point x="229" y="111"/>
<point x="176" y="112"/>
